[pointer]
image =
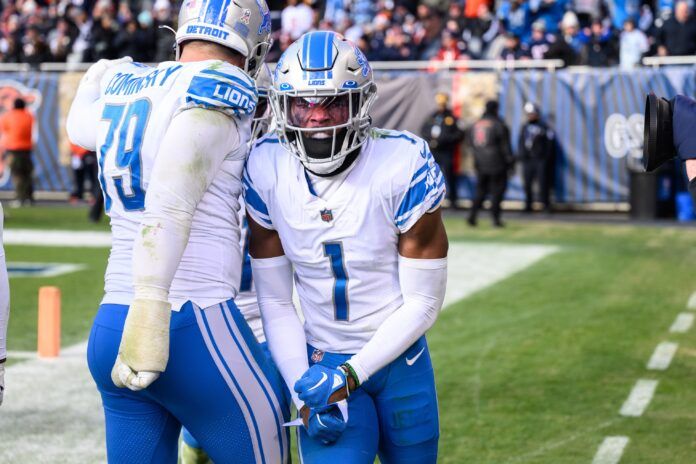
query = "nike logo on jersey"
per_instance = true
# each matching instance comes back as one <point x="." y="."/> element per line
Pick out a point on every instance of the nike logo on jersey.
<point x="338" y="381"/>
<point x="324" y="378"/>
<point x="411" y="361"/>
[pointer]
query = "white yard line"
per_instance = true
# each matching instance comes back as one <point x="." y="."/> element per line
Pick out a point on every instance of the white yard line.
<point x="639" y="398"/>
<point x="692" y="302"/>
<point x="682" y="323"/>
<point x="52" y="411"/>
<point x="12" y="354"/>
<point x="66" y="238"/>
<point x="662" y="356"/>
<point x="485" y="264"/>
<point x="611" y="450"/>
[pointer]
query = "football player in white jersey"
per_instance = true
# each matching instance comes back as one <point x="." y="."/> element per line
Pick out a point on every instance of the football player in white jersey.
<point x="172" y="142"/>
<point x="191" y="451"/>
<point x="4" y="308"/>
<point x="353" y="214"/>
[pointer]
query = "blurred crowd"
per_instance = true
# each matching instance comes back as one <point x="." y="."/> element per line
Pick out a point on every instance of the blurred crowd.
<point x="580" y="32"/>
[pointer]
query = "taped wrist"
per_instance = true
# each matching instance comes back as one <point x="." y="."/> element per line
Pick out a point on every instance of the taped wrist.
<point x="145" y="341"/>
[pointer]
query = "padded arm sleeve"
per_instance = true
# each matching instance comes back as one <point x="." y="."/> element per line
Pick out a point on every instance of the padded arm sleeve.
<point x="83" y="117"/>
<point x="423" y="283"/>
<point x="281" y="324"/>
<point x="4" y="296"/>
<point x="192" y="150"/>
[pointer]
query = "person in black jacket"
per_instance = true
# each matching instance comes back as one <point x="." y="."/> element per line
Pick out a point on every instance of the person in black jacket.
<point x="678" y="35"/>
<point x="490" y="143"/>
<point x="536" y="151"/>
<point x="443" y="135"/>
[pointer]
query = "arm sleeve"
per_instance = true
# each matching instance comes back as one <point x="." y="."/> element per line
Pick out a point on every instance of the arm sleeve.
<point x="192" y="150"/>
<point x="423" y="283"/>
<point x="4" y="295"/>
<point x="83" y="117"/>
<point x="281" y="324"/>
<point x="422" y="193"/>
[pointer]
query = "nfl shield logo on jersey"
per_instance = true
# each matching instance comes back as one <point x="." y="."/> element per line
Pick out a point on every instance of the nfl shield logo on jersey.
<point x="317" y="356"/>
<point x="326" y="215"/>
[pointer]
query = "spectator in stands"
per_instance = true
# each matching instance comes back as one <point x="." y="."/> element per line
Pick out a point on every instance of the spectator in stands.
<point x="539" y="43"/>
<point x="600" y="48"/>
<point x="489" y="139"/>
<point x="621" y="10"/>
<point x="443" y="135"/>
<point x="451" y="49"/>
<point x="60" y="40"/>
<point x="481" y="31"/>
<point x="397" y="46"/>
<point x="296" y="19"/>
<point x="81" y="46"/>
<point x="567" y="45"/>
<point x="16" y="130"/>
<point x="678" y="35"/>
<point x="633" y="44"/>
<point x="34" y="48"/>
<point x="363" y="11"/>
<point x="471" y="7"/>
<point x="549" y="11"/>
<point x="513" y="49"/>
<point x="430" y="40"/>
<point x="516" y="18"/>
<point x="455" y="16"/>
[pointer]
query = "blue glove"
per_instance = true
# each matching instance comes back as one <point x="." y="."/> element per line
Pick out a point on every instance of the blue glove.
<point x="319" y="383"/>
<point x="326" y="425"/>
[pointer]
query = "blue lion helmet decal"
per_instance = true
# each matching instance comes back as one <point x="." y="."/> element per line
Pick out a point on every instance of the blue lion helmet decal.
<point x="266" y="23"/>
<point x="362" y="61"/>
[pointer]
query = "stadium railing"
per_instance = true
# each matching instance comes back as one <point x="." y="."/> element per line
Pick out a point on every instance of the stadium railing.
<point x="657" y="61"/>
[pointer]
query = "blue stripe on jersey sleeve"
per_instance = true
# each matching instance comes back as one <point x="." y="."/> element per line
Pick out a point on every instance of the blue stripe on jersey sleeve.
<point x="425" y="192"/>
<point x="253" y="199"/>
<point x="221" y="94"/>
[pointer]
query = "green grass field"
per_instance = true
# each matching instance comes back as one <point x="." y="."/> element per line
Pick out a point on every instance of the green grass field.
<point x="531" y="370"/>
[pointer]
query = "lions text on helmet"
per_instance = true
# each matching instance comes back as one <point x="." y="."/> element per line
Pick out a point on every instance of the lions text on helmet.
<point x="242" y="25"/>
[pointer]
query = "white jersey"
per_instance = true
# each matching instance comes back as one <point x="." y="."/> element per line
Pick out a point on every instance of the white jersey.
<point x="138" y="103"/>
<point x="344" y="247"/>
<point x="246" y="299"/>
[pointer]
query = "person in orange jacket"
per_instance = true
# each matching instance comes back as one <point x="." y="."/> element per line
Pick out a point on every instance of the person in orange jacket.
<point x="16" y="129"/>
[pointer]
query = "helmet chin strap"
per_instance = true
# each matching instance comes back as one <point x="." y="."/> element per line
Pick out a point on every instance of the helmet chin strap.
<point x="321" y="149"/>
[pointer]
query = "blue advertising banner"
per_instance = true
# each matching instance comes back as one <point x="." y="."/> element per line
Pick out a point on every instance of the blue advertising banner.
<point x="597" y="117"/>
<point x="40" y="91"/>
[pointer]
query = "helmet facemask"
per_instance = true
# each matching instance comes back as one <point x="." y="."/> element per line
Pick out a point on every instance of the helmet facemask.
<point x="322" y="127"/>
<point x="262" y="117"/>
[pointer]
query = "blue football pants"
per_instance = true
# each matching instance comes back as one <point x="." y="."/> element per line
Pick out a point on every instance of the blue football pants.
<point x="393" y="415"/>
<point x="218" y="384"/>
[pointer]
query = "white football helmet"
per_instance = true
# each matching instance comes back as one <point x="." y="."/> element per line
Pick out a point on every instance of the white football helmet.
<point x="322" y="69"/>
<point x="263" y="115"/>
<point x="242" y="25"/>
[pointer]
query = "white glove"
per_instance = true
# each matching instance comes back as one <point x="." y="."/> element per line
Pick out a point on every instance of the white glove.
<point x="94" y="74"/>
<point x="144" y="350"/>
<point x="2" y="380"/>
